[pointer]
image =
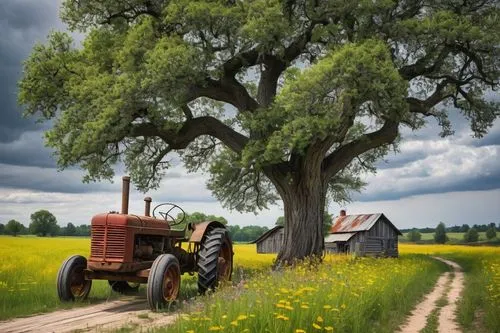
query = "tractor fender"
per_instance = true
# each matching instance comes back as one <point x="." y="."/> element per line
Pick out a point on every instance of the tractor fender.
<point x="200" y="229"/>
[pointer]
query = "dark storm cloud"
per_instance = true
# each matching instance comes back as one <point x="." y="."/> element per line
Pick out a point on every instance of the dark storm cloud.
<point x="22" y="23"/>
<point x="489" y="182"/>
<point x="47" y="180"/>
<point x="27" y="150"/>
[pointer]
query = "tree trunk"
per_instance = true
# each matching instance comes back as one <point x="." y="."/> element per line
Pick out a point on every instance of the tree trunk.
<point x="304" y="204"/>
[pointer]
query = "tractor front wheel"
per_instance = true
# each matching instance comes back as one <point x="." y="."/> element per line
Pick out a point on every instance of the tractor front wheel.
<point x="215" y="259"/>
<point x="164" y="282"/>
<point x="71" y="283"/>
<point x="123" y="287"/>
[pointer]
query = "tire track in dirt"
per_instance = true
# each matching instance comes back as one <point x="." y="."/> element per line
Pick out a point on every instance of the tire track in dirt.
<point x="445" y="287"/>
<point x="447" y="317"/>
<point x="95" y="318"/>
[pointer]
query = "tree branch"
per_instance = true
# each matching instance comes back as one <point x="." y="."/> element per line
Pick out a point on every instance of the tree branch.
<point x="343" y="155"/>
<point x="420" y="67"/>
<point x="190" y="130"/>
<point x="228" y="90"/>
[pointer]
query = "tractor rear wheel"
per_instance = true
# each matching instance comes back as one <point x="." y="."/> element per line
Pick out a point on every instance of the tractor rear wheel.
<point x="164" y="282"/>
<point x="71" y="283"/>
<point x="123" y="287"/>
<point x="215" y="259"/>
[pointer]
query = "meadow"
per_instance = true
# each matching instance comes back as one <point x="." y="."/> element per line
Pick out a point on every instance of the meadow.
<point x="452" y="236"/>
<point x="344" y="294"/>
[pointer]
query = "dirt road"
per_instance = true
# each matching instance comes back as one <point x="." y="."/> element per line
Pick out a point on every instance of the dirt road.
<point x="131" y="312"/>
<point x="439" y="306"/>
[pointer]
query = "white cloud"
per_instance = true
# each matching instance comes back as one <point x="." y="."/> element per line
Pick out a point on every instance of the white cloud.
<point x="444" y="164"/>
<point x="453" y="208"/>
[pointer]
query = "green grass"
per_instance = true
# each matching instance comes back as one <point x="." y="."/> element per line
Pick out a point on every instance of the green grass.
<point x="342" y="295"/>
<point x="479" y="307"/>
<point x="29" y="265"/>
<point x="453" y="236"/>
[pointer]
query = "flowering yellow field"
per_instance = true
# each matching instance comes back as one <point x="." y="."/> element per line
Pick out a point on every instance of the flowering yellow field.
<point x="343" y="294"/>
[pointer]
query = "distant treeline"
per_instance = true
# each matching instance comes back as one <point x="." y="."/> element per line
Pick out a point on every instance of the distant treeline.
<point x="43" y="224"/>
<point x="456" y="228"/>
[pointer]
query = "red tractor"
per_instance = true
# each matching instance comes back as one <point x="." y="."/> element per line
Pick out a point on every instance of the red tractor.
<point x="128" y="250"/>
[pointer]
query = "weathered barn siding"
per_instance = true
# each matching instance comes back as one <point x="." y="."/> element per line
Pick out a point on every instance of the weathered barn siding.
<point x="380" y="240"/>
<point x="271" y="243"/>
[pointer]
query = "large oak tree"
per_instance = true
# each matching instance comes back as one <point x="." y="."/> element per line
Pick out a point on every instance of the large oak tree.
<point x="285" y="100"/>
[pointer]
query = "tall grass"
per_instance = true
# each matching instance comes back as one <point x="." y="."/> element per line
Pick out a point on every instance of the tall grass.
<point x="479" y="306"/>
<point x="344" y="294"/>
<point x="29" y="265"/>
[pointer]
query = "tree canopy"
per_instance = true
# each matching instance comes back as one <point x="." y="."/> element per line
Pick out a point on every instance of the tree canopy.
<point x="14" y="228"/>
<point x="440" y="234"/>
<point x="414" y="235"/>
<point x="275" y="99"/>
<point x="491" y="233"/>
<point x="471" y="235"/>
<point x="43" y="223"/>
<point x="197" y="217"/>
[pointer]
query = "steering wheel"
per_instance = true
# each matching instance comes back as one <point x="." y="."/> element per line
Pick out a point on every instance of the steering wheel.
<point x="168" y="212"/>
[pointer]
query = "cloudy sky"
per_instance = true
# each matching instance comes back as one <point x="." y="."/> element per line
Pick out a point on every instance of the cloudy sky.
<point x="454" y="180"/>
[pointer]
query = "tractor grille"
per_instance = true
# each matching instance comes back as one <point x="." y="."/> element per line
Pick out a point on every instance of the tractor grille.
<point x="112" y="246"/>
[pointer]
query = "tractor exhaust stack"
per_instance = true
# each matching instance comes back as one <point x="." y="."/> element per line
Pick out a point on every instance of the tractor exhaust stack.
<point x="125" y="193"/>
<point x="147" y="206"/>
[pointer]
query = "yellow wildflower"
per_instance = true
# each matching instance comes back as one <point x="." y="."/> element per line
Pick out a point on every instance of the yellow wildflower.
<point x="316" y="326"/>
<point x="282" y="317"/>
<point x="241" y="317"/>
<point x="216" y="328"/>
<point x="319" y="319"/>
<point x="328" y="328"/>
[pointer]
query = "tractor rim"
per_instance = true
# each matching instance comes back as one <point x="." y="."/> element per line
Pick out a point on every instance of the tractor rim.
<point x="78" y="284"/>
<point x="224" y="262"/>
<point x="171" y="284"/>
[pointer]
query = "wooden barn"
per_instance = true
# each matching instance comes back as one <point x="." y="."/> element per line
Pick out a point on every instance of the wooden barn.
<point x="270" y="241"/>
<point x="364" y="235"/>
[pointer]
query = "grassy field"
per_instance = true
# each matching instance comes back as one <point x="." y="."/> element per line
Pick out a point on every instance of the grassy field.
<point x="453" y="236"/>
<point x="29" y="265"/>
<point x="481" y="297"/>
<point x="343" y="294"/>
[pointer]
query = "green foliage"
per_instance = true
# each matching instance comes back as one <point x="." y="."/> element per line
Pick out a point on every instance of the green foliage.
<point x="464" y="228"/>
<point x="124" y="95"/>
<point x="13" y="228"/>
<point x="440" y="234"/>
<point x="83" y="230"/>
<point x="471" y="236"/>
<point x="43" y="223"/>
<point x="491" y="233"/>
<point x="280" y="221"/>
<point x="68" y="230"/>
<point x="247" y="233"/>
<point x="197" y="217"/>
<point x="414" y="236"/>
<point x="271" y="98"/>
<point x="2" y="228"/>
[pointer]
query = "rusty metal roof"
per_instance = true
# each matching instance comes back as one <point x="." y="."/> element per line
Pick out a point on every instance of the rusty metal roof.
<point x="343" y="237"/>
<point x="355" y="223"/>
